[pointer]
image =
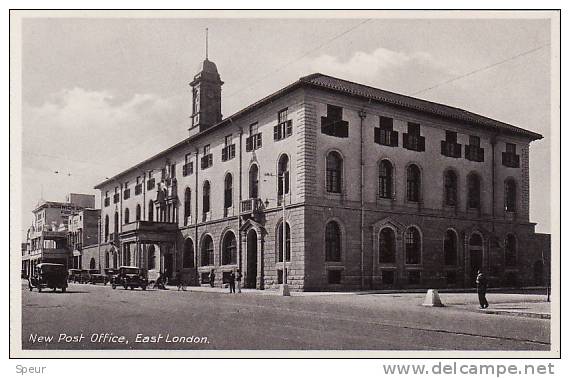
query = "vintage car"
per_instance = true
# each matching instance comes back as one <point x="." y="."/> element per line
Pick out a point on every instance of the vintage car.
<point x="47" y="275"/>
<point x="83" y="276"/>
<point x="109" y="274"/>
<point x="130" y="276"/>
<point x="95" y="276"/>
<point x="74" y="275"/>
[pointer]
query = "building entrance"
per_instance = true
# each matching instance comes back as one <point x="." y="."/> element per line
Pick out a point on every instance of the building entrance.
<point x="251" y="274"/>
<point x="475" y="257"/>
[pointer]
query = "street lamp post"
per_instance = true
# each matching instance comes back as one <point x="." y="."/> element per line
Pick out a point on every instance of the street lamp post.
<point x="284" y="288"/>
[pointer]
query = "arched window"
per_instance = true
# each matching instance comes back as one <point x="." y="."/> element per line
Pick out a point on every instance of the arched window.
<point x="150" y="211"/>
<point x="385" y="179"/>
<point x="473" y="191"/>
<point x="510" y="251"/>
<point x="475" y="240"/>
<point x="334" y="172"/>
<point x="387" y="246"/>
<point x="138" y="212"/>
<point x="207" y="251"/>
<point x="413" y="246"/>
<point x="332" y="242"/>
<point x="126" y="216"/>
<point x="253" y="182"/>
<point x="413" y="183"/>
<point x="287" y="241"/>
<point x="188" y="257"/>
<point x="229" y="255"/>
<point x="450" y="187"/>
<point x="510" y="195"/>
<point x="151" y="257"/>
<point x="206" y="198"/>
<point x="283" y="173"/>
<point x="92" y="263"/>
<point x="228" y="184"/>
<point x="450" y="248"/>
<point x="107" y="260"/>
<point x="116" y="225"/>
<point x="187" y="205"/>
<point x="106" y="227"/>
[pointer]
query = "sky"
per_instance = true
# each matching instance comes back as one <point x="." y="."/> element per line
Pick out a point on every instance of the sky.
<point x="99" y="95"/>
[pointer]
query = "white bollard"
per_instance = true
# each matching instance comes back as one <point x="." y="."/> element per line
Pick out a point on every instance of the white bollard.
<point x="432" y="299"/>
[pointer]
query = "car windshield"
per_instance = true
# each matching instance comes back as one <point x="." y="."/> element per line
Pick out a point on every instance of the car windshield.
<point x="130" y="271"/>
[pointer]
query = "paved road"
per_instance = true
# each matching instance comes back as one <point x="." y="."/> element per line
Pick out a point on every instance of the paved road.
<point x="250" y="321"/>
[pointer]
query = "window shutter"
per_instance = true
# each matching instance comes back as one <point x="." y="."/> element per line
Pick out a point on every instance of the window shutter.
<point x="259" y="140"/>
<point x="377" y="135"/>
<point x="405" y="140"/>
<point x="394" y="138"/>
<point x="248" y="144"/>
<point x="422" y="143"/>
<point x="289" y="128"/>
<point x="276" y="132"/>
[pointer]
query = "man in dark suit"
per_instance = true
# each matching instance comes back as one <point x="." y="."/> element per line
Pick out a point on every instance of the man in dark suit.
<point x="482" y="289"/>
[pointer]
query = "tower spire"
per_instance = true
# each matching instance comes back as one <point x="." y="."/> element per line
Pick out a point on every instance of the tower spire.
<point x="206" y="43"/>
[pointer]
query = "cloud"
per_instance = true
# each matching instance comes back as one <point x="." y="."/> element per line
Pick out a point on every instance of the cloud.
<point x="395" y="70"/>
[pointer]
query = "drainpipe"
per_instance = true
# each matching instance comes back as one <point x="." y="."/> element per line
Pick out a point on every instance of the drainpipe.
<point x="240" y="197"/>
<point x="493" y="202"/>
<point x="362" y="115"/>
<point x="196" y="244"/>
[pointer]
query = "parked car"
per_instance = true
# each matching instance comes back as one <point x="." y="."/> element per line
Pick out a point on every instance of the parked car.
<point x="83" y="276"/>
<point x="47" y="275"/>
<point x="130" y="276"/>
<point x="109" y="274"/>
<point x="74" y="275"/>
<point x="95" y="276"/>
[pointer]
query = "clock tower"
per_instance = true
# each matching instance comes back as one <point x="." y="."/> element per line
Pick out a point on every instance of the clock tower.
<point x="206" y="98"/>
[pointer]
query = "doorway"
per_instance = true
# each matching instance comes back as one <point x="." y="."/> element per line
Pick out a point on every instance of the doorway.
<point x="168" y="264"/>
<point x="251" y="273"/>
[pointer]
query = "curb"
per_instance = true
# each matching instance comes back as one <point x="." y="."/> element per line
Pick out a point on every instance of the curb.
<point x="535" y="315"/>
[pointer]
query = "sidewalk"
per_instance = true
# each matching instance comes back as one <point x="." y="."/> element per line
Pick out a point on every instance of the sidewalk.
<point x="507" y="303"/>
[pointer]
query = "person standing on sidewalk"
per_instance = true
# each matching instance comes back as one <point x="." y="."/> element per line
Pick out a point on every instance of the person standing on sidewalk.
<point x="212" y="278"/>
<point x="482" y="289"/>
<point x="238" y="279"/>
<point x="232" y="282"/>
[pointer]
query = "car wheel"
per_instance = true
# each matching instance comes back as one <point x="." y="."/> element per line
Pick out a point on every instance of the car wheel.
<point x="39" y="289"/>
<point x="53" y="289"/>
<point x="114" y="286"/>
<point x="143" y="287"/>
<point x="132" y="287"/>
<point x="63" y="289"/>
<point x="126" y="286"/>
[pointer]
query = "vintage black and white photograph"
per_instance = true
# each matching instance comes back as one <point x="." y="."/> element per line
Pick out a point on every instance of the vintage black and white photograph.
<point x="296" y="181"/>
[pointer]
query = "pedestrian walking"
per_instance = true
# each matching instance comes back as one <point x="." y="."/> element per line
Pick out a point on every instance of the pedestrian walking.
<point x="212" y="278"/>
<point x="482" y="289"/>
<point x="238" y="280"/>
<point x="232" y="282"/>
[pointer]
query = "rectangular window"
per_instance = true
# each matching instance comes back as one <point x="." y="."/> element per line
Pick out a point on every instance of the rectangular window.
<point x="173" y="170"/>
<point x="510" y="157"/>
<point x="207" y="160"/>
<point x="333" y="124"/>
<point x="253" y="142"/>
<point x="388" y="277"/>
<point x="414" y="277"/>
<point x="412" y="140"/>
<point x="385" y="134"/>
<point x="473" y="151"/>
<point x="188" y="167"/>
<point x="229" y="150"/>
<point x="449" y="146"/>
<point x="334" y="276"/>
<point x="150" y="182"/>
<point x="284" y="127"/>
<point x="126" y="191"/>
<point x="116" y="197"/>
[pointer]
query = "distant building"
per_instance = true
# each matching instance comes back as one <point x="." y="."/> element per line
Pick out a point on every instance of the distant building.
<point x="83" y="229"/>
<point x="381" y="190"/>
<point x="47" y="237"/>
